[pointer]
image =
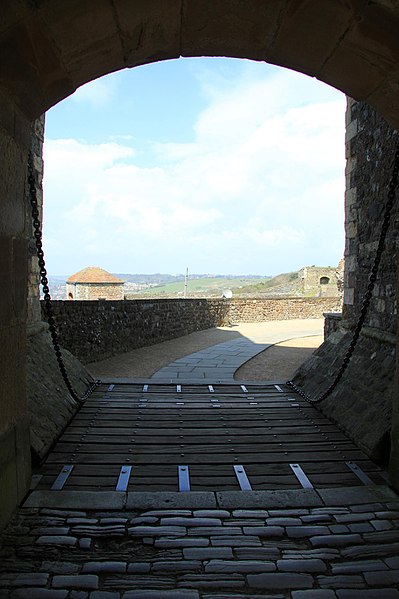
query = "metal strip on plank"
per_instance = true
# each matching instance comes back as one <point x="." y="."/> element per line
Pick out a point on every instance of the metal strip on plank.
<point x="62" y="477"/>
<point x="242" y="478"/>
<point x="123" y="479"/>
<point x="110" y="388"/>
<point x="178" y="388"/>
<point x="243" y="387"/>
<point x="211" y="389"/>
<point x="184" y="478"/>
<point x="359" y="473"/>
<point x="145" y="388"/>
<point x="301" y="476"/>
<point x="279" y="389"/>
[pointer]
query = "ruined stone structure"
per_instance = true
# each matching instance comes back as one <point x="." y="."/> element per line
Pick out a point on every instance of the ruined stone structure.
<point x="48" y="49"/>
<point x="319" y="281"/>
<point x="93" y="283"/>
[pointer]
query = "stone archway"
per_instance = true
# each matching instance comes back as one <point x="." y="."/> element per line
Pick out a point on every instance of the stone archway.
<point x="48" y="48"/>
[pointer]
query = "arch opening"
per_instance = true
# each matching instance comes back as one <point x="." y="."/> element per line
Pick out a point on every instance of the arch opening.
<point x="47" y="53"/>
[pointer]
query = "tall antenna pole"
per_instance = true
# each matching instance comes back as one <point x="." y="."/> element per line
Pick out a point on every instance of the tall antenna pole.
<point x="185" y="283"/>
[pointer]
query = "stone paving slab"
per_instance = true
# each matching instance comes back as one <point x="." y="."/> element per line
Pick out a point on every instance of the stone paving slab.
<point x="356" y="495"/>
<point x="268" y="499"/>
<point x="110" y="500"/>
<point x="220" y="362"/>
<point x="168" y="500"/>
<point x="222" y="500"/>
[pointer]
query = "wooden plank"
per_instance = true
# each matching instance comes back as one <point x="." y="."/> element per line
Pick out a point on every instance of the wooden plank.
<point x="226" y="458"/>
<point x="313" y="469"/>
<point x="203" y="437"/>
<point x="206" y="447"/>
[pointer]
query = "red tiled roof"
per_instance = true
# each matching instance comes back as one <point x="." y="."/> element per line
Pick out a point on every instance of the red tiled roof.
<point x="93" y="274"/>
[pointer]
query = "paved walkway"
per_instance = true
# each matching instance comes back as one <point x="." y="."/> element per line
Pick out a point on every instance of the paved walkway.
<point x="215" y="362"/>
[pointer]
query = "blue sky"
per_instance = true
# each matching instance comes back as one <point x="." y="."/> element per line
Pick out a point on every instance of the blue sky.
<point x="222" y="165"/>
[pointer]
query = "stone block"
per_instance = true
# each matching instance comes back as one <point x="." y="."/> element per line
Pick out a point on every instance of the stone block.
<point x="170" y="500"/>
<point x="77" y="581"/>
<point x="268" y="499"/>
<point x="80" y="500"/>
<point x="280" y="581"/>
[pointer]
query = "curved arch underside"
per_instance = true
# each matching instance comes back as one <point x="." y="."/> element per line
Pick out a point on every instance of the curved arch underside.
<point x="48" y="48"/>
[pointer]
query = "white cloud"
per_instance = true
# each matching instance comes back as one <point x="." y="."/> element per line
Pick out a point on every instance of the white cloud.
<point x="259" y="189"/>
<point x="97" y="93"/>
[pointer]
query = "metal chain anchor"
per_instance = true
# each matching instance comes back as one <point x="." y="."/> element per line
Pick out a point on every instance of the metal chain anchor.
<point x="393" y="184"/>
<point x="37" y="233"/>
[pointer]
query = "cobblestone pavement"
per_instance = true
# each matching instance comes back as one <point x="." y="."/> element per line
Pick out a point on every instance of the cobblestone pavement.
<point x="323" y="551"/>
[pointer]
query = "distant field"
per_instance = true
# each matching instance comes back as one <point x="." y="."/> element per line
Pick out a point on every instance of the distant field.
<point x="214" y="286"/>
<point x="284" y="282"/>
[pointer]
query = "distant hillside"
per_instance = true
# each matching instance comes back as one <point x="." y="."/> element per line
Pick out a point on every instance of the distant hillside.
<point x="202" y="286"/>
<point x="283" y="284"/>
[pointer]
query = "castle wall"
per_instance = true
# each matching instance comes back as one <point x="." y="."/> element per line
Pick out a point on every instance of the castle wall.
<point x="94" y="330"/>
<point x="362" y="401"/>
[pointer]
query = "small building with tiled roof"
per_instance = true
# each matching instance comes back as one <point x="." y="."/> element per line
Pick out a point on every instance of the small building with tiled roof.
<point x="94" y="283"/>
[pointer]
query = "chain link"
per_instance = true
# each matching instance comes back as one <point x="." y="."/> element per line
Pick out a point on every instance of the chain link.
<point x="393" y="184"/>
<point x="37" y="234"/>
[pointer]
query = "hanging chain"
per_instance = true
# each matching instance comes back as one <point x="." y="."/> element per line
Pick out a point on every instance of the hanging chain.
<point x="393" y="184"/>
<point x="46" y="291"/>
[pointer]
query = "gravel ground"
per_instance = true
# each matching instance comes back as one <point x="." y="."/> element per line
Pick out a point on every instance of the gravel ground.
<point x="280" y="361"/>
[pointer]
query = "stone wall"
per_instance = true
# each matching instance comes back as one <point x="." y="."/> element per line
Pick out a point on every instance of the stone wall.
<point x="15" y="140"/>
<point x="370" y="144"/>
<point x="261" y="310"/>
<point x="362" y="402"/>
<point x="94" y="330"/>
<point x="50" y="405"/>
<point x="332" y="321"/>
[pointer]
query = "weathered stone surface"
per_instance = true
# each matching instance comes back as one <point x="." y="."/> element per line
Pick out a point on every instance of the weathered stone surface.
<point x="268" y="499"/>
<point x="50" y="404"/>
<point x="160" y="594"/>
<point x="104" y="567"/>
<point x="208" y="553"/>
<point x="76" y="499"/>
<point x="280" y="581"/>
<point x="35" y="593"/>
<point x="362" y="401"/>
<point x="164" y="500"/>
<point x="301" y="565"/>
<point x="83" y="581"/>
<point x="217" y="566"/>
